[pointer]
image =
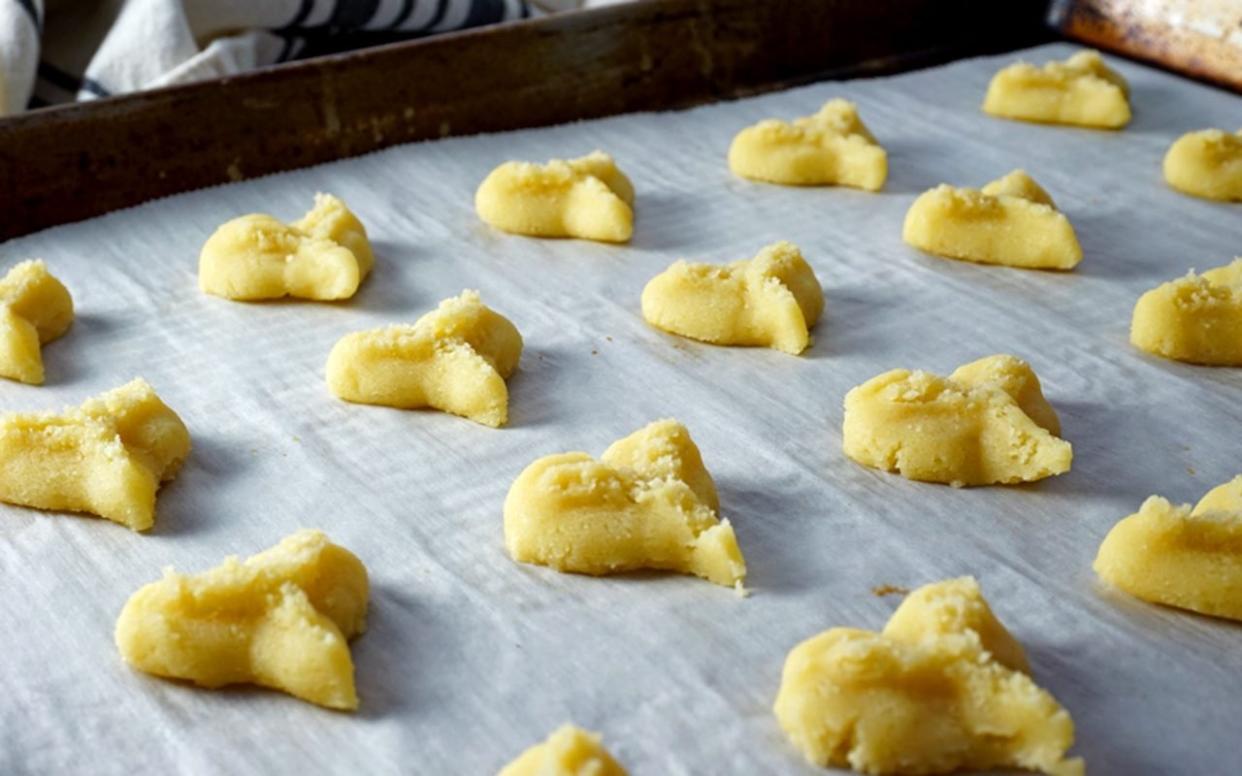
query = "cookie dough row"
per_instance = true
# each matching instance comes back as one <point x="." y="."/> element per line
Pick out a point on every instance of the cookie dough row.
<point x="591" y="199"/>
<point x="770" y="300"/>
<point x="944" y="686"/>
<point x="987" y="423"/>
<point x="283" y="618"/>
<point x="647" y="503"/>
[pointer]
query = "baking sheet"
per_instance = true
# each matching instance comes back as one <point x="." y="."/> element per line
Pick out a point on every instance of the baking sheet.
<point x="470" y="657"/>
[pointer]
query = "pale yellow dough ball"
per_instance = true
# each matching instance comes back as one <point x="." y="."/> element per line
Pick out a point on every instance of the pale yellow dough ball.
<point x="646" y="503"/>
<point x="588" y="197"/>
<point x="35" y="308"/>
<point x="1178" y="556"/>
<point x="568" y="751"/>
<point x="1012" y="221"/>
<point x="1206" y="164"/>
<point x="107" y="457"/>
<point x="1196" y="318"/>
<point x="455" y="358"/>
<point x="1081" y="91"/>
<point x="987" y="423"/>
<point x="831" y="147"/>
<point x="944" y="687"/>
<point x="772" y="300"/>
<point x="280" y="619"/>
<point x="323" y="256"/>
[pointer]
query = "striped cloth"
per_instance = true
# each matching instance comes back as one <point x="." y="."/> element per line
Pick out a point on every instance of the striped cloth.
<point x="55" y="51"/>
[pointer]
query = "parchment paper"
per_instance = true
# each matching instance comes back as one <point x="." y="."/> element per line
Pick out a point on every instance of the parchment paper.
<point x="470" y="657"/>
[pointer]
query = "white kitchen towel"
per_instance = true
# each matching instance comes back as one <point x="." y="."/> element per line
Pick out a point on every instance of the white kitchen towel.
<point x="55" y="51"/>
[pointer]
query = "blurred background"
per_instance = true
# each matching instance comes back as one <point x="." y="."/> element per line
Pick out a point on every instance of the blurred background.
<point x="58" y="51"/>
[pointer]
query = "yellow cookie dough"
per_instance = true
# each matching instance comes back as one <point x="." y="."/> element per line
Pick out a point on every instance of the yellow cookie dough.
<point x="1082" y="91"/>
<point x="1206" y="164"/>
<point x="587" y="197"/>
<point x="455" y="358"/>
<point x="569" y="751"/>
<point x="281" y="619"/>
<point x="35" y="308"/>
<point x="986" y="423"/>
<point x="832" y="147"/>
<point x="1196" y="318"/>
<point x="1178" y="556"/>
<point x="1012" y="221"/>
<point x="942" y="688"/>
<point x="1019" y="184"/>
<point x="647" y="503"/>
<point x="323" y="256"/>
<point x="107" y="457"/>
<point x="771" y="300"/>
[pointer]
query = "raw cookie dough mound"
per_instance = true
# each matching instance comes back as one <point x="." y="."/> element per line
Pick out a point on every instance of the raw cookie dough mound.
<point x="832" y="147"/>
<point x="35" y="308"/>
<point x="569" y="751"/>
<point x="1178" y="556"/>
<point x="942" y="688"/>
<point x="455" y="358"/>
<point x="1082" y="91"/>
<point x="281" y="619"/>
<point x="587" y="197"/>
<point x="1019" y="184"/>
<point x="1206" y="164"/>
<point x="647" y="503"/>
<point x="324" y="256"/>
<point x="1196" y="318"/>
<point x="987" y="423"/>
<point x="1222" y="498"/>
<point x="771" y="300"/>
<point x="1012" y="221"/>
<point x="107" y="457"/>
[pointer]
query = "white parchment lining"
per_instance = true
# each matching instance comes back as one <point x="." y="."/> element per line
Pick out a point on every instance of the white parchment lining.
<point x="470" y="657"/>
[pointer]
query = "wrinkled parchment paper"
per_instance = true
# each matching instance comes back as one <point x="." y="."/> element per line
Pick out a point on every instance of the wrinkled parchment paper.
<point x="470" y="657"/>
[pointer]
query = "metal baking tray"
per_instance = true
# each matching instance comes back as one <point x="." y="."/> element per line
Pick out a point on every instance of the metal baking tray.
<point x="68" y="163"/>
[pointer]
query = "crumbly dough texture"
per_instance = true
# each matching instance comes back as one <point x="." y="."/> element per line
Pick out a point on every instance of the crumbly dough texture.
<point x="1011" y="221"/>
<point x="323" y="256"/>
<point x="831" y="147"/>
<point x="455" y="358"/>
<point x="1178" y="556"/>
<point x="107" y="457"/>
<point x="942" y="688"/>
<point x="35" y="308"/>
<point x="987" y="423"/>
<point x="1196" y="318"/>
<point x="569" y="751"/>
<point x="588" y="197"/>
<point x="1020" y="184"/>
<point x="1206" y="164"/>
<point x="647" y="503"/>
<point x="772" y="300"/>
<point x="1082" y="91"/>
<point x="279" y="619"/>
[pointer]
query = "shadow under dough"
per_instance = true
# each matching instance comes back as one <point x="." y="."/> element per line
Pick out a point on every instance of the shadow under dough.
<point x="178" y="505"/>
<point x="765" y="546"/>
<point x="65" y="359"/>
